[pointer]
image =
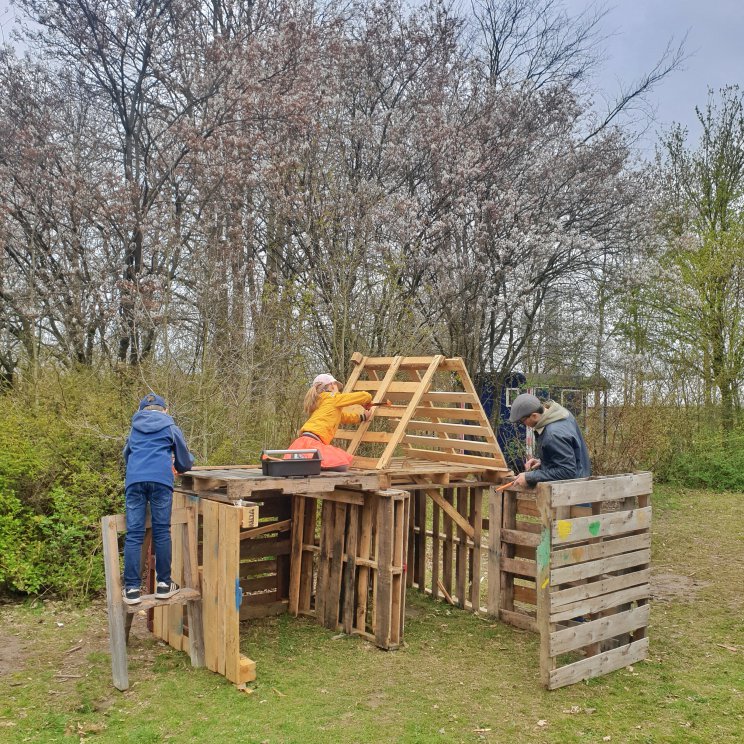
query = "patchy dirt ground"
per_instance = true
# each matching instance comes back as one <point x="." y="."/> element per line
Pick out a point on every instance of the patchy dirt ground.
<point x="669" y="587"/>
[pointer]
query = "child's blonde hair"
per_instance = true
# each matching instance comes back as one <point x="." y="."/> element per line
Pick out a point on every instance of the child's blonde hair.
<point x="311" y="398"/>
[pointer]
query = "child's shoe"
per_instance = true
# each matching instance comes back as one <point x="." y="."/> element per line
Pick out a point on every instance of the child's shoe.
<point x="164" y="591"/>
<point x="132" y="596"/>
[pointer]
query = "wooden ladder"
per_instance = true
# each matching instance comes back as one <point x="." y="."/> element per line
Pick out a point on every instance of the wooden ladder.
<point x="120" y="614"/>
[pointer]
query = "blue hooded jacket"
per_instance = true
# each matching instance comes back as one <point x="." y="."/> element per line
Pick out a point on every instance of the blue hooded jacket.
<point x="155" y="443"/>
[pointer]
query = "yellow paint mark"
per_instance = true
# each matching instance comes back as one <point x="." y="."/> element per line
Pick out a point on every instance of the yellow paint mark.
<point x="545" y="583"/>
<point x="564" y="528"/>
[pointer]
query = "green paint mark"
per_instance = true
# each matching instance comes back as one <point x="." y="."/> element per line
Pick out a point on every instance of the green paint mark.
<point x="543" y="550"/>
<point x="594" y="528"/>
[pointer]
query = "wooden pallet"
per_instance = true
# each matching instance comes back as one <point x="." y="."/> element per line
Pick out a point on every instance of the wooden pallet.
<point x="348" y="568"/>
<point x="596" y="571"/>
<point x="120" y="614"/>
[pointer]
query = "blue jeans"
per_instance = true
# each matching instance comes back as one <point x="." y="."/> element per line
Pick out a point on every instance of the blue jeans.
<point x="160" y="498"/>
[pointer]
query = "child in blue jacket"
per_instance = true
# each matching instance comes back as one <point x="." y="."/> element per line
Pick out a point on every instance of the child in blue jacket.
<point x="155" y="447"/>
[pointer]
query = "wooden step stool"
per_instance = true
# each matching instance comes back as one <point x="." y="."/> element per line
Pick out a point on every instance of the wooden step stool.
<point x="120" y="614"/>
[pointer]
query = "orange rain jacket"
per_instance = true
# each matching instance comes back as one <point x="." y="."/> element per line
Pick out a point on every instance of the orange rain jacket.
<point x="329" y="414"/>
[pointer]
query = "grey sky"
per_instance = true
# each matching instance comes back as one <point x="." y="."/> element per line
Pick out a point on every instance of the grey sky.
<point x="638" y="33"/>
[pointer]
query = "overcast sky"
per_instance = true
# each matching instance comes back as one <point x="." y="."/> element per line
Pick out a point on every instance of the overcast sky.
<point x="638" y="32"/>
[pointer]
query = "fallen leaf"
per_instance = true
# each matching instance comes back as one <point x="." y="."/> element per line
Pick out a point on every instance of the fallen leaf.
<point x="542" y="722"/>
<point x="606" y="738"/>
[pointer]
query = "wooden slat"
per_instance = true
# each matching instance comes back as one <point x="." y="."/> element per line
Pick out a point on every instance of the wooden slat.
<point x="595" y="568"/>
<point x="491" y="463"/>
<point x="600" y="525"/>
<point x="210" y="571"/>
<point x="383" y="595"/>
<point x="598" y="604"/>
<point x="371" y="437"/>
<point x="476" y="517"/>
<point x="519" y="568"/>
<point x="596" y="666"/>
<point x="519" y="620"/>
<point x="115" y="603"/>
<point x="462" y="444"/>
<point x="606" y="488"/>
<point x="495" y="500"/>
<point x="369" y="510"/>
<point x="519" y="537"/>
<point x="348" y="614"/>
<point x="450" y="511"/>
<point x="596" y="588"/>
<point x="525" y="594"/>
<point x="604" y="549"/>
<point x="456" y="414"/>
<point x="578" y="636"/>
<point x="461" y="430"/>
<point x="295" y="566"/>
<point x="335" y="575"/>
<point x="179" y="515"/>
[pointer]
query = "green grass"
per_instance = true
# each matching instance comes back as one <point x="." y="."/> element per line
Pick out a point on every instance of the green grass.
<point x="460" y="678"/>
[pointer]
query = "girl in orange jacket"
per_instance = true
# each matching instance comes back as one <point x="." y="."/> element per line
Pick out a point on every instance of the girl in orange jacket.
<point x="324" y="405"/>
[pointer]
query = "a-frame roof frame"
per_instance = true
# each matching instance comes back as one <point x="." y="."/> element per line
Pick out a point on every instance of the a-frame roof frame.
<point x="454" y="425"/>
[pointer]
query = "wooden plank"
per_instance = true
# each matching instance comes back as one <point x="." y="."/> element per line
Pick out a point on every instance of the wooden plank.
<point x="461" y="562"/>
<point x="436" y="541"/>
<point x="420" y="540"/>
<point x="324" y="559"/>
<point x="518" y="567"/>
<point x="596" y="666"/>
<point x="114" y="603"/>
<point x="492" y="463"/>
<point x="509" y="521"/>
<point x="191" y="578"/>
<point x="461" y="430"/>
<point x="335" y="573"/>
<point x="405" y="532"/>
<point x="519" y="620"/>
<point x="455" y="414"/>
<point x="210" y="571"/>
<point x="604" y="488"/>
<point x="451" y="512"/>
<point x="527" y="507"/>
<point x="262" y="547"/>
<point x="230" y="520"/>
<point x="438" y="443"/>
<point x="264" y="529"/>
<point x="393" y="386"/>
<point x="383" y="599"/>
<point x="595" y="568"/>
<point x="604" y="549"/>
<point x="597" y="604"/>
<point x="247" y="671"/>
<point x="448" y="551"/>
<point x="269" y="609"/>
<point x="476" y="517"/>
<point x="372" y="437"/>
<point x="542" y="583"/>
<point x="495" y="502"/>
<point x="578" y="636"/>
<point x="525" y="594"/>
<point x="295" y="554"/>
<point x="369" y="511"/>
<point x="398" y="590"/>
<point x="348" y="614"/>
<point x="520" y="537"/>
<point x="597" y="588"/>
<point x="600" y="525"/>
<point x="179" y="515"/>
<point x="306" y="578"/>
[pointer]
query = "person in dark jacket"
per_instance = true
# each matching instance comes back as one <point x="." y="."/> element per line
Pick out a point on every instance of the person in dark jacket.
<point x="562" y="453"/>
<point x="155" y="449"/>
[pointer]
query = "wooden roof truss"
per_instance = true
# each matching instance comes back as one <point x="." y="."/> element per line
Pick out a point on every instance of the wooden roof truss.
<point x="427" y="406"/>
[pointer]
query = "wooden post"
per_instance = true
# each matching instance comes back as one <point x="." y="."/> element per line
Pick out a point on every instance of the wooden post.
<point x="191" y="578"/>
<point x="336" y="565"/>
<point x="365" y="547"/>
<point x="115" y="603"/>
<point x="495" y="500"/>
<point x="308" y="557"/>
<point x="447" y="551"/>
<point x="542" y="582"/>
<point x="421" y="541"/>
<point x="461" y="564"/>
<point x="383" y="604"/>
<point x="476" y="514"/>
<point x="349" y="577"/>
<point x="295" y="565"/>
<point x="435" y="548"/>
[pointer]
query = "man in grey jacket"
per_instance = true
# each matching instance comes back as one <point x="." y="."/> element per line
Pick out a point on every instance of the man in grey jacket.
<point x="561" y="450"/>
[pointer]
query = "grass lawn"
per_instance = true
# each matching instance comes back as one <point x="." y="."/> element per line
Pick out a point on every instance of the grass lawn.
<point x="461" y="678"/>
